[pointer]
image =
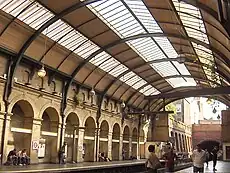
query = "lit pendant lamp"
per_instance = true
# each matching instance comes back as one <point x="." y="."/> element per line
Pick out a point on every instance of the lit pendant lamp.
<point x="92" y="92"/>
<point x="42" y="72"/>
<point x="123" y="104"/>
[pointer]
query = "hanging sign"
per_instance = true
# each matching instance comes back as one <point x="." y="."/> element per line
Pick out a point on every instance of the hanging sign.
<point x="35" y="145"/>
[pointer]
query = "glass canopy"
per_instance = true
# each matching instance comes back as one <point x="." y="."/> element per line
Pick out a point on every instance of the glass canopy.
<point x="35" y="15"/>
<point x="131" y="17"/>
<point x="193" y="23"/>
<point x="126" y="18"/>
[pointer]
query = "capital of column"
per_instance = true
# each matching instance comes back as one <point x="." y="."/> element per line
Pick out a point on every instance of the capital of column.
<point x="2" y="115"/>
<point x="81" y="129"/>
<point x="37" y="121"/>
<point x="110" y="134"/>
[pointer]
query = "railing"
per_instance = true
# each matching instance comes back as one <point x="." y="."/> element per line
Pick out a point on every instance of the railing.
<point x="179" y="125"/>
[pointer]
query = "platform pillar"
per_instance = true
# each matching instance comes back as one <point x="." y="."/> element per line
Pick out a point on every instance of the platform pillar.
<point x="110" y="135"/>
<point x="130" y="146"/>
<point x="120" y="147"/>
<point x="7" y="131"/>
<point x="80" y="148"/>
<point x="35" y="137"/>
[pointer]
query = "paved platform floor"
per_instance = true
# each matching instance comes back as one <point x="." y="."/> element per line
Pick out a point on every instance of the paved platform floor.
<point x="67" y="167"/>
<point x="222" y="167"/>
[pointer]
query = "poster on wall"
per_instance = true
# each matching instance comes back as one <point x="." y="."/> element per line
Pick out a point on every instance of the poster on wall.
<point x="41" y="150"/>
<point x="35" y="145"/>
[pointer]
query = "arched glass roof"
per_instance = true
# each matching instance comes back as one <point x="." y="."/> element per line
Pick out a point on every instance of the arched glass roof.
<point x="126" y="39"/>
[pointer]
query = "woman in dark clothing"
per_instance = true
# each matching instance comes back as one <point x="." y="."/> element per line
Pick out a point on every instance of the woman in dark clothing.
<point x="214" y="157"/>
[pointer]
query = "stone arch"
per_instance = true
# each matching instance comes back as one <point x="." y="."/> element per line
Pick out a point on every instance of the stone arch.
<point x="115" y="141"/>
<point x="142" y="143"/>
<point x="49" y="133"/>
<point x="26" y="98"/>
<point x="49" y="116"/>
<point x="177" y="141"/>
<point x="21" y="124"/>
<point x="87" y="118"/>
<point x="126" y="143"/>
<point x="77" y="113"/>
<point x="104" y="129"/>
<point x="71" y="122"/>
<point x="53" y="109"/>
<point x="126" y="133"/>
<point x="209" y="144"/>
<point x="89" y="139"/>
<point x="134" y="142"/>
<point x="134" y="134"/>
<point x="2" y="106"/>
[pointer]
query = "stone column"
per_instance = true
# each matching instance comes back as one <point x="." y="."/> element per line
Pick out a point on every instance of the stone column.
<point x="35" y="136"/>
<point x="110" y="142"/>
<point x="6" y="134"/>
<point x="138" y="148"/>
<point x="74" y="144"/>
<point x="130" y="146"/>
<point x="120" y="147"/>
<point x="96" y="144"/>
<point x="81" y="133"/>
<point x="54" y="127"/>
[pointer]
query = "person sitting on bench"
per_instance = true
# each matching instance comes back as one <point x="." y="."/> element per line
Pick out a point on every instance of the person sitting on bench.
<point x="11" y="158"/>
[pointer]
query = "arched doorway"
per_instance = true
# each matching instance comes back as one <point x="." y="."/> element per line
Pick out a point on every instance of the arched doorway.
<point x="115" y="142"/>
<point x="71" y="136"/>
<point x="209" y="144"/>
<point x="134" y="143"/>
<point x="48" y="141"/>
<point x="181" y="144"/>
<point x="142" y="144"/>
<point x="104" y="131"/>
<point x="177" y="142"/>
<point x="89" y="139"/>
<point x="21" y="126"/>
<point x="126" y="135"/>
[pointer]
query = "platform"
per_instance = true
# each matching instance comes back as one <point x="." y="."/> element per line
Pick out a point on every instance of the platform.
<point x="222" y="167"/>
<point x="77" y="167"/>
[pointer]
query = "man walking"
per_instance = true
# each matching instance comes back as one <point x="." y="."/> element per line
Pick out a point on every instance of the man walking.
<point x="214" y="157"/>
<point x="198" y="158"/>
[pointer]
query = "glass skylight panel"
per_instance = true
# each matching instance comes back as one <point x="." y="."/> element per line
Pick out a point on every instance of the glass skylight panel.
<point x="180" y="82"/>
<point x="165" y="68"/>
<point x="183" y="70"/>
<point x="36" y="15"/>
<point x="167" y="47"/>
<point x="140" y="10"/>
<point x="127" y="76"/>
<point x="112" y="11"/>
<point x="195" y="28"/>
<point x="99" y="58"/>
<point x="121" y="21"/>
<point x="16" y="7"/>
<point x="118" y="70"/>
<point x="139" y="83"/>
<point x="149" y="90"/>
<point x="133" y="80"/>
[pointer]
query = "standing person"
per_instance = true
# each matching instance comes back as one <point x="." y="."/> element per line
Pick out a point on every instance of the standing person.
<point x="198" y="158"/>
<point x="214" y="157"/>
<point x="123" y="154"/>
<point x="62" y="154"/>
<point x="169" y="157"/>
<point x="207" y="156"/>
<point x="152" y="163"/>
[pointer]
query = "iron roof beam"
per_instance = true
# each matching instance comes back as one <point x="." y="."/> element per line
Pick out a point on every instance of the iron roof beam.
<point x="193" y="93"/>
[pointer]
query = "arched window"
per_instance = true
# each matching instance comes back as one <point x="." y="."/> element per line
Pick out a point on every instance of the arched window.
<point x="53" y="87"/>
